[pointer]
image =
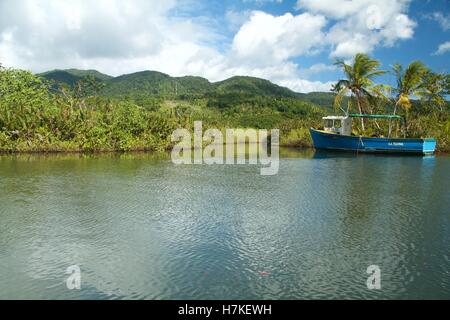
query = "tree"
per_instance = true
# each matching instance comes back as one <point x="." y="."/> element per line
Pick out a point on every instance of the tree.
<point x="447" y="84"/>
<point x="23" y="99"/>
<point x="409" y="82"/>
<point x="359" y="82"/>
<point x="88" y="86"/>
<point x="434" y="89"/>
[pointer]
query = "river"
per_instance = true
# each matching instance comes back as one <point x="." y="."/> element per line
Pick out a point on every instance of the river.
<point x="139" y="227"/>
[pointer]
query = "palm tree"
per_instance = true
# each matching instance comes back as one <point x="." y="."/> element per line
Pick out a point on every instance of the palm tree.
<point x="359" y="82"/>
<point x="409" y="82"/>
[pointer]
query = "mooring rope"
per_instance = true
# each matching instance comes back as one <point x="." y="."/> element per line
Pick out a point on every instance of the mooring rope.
<point x="360" y="142"/>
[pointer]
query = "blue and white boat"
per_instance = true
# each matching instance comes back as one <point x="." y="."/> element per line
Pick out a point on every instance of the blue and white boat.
<point x="337" y="135"/>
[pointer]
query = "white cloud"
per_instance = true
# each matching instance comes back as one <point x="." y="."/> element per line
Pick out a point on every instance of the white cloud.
<point x="321" y="67"/>
<point x="350" y="44"/>
<point x="443" y="48"/>
<point x="301" y="85"/>
<point x="265" y="37"/>
<point x="361" y="26"/>
<point x="339" y="9"/>
<point x="46" y="34"/>
<point x="442" y="19"/>
<point x="336" y="9"/>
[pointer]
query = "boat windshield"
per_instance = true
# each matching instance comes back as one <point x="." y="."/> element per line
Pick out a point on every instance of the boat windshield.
<point x="329" y="123"/>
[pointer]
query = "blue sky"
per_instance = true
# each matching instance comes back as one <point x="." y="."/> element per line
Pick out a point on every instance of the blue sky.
<point x="290" y="42"/>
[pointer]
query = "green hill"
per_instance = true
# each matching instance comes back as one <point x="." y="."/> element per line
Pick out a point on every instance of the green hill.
<point x="60" y="77"/>
<point x="71" y="76"/>
<point x="324" y="99"/>
<point x="193" y="85"/>
<point x="156" y="84"/>
<point x="161" y="84"/>
<point x="84" y="73"/>
<point x="252" y="86"/>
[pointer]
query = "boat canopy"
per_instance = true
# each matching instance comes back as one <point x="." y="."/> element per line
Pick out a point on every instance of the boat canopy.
<point x="376" y="116"/>
<point x="335" y="118"/>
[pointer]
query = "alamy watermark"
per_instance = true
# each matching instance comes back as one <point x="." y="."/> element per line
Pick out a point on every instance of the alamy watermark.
<point x="74" y="280"/>
<point x="231" y="150"/>
<point x="374" y="280"/>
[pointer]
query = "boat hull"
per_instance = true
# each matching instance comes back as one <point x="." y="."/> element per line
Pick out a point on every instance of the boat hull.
<point x="331" y="141"/>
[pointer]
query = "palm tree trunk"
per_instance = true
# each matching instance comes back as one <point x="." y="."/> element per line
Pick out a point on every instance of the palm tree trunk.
<point x="390" y="121"/>
<point x="395" y="107"/>
<point x="360" y="110"/>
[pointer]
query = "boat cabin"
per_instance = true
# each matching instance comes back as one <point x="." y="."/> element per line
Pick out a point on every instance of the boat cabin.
<point x="338" y="125"/>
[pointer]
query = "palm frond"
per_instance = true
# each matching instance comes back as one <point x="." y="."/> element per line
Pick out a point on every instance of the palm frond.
<point x="340" y="96"/>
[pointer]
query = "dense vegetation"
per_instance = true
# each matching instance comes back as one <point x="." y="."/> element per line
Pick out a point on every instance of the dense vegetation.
<point x="77" y="110"/>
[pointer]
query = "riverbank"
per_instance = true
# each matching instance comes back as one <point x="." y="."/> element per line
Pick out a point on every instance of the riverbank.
<point x="148" y="142"/>
<point x="301" y="145"/>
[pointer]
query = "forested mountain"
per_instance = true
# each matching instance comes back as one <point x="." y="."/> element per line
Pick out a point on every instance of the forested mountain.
<point x="72" y="76"/>
<point x="93" y="73"/>
<point x="153" y="83"/>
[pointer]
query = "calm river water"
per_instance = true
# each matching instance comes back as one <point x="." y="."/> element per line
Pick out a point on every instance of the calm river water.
<point x="140" y="227"/>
